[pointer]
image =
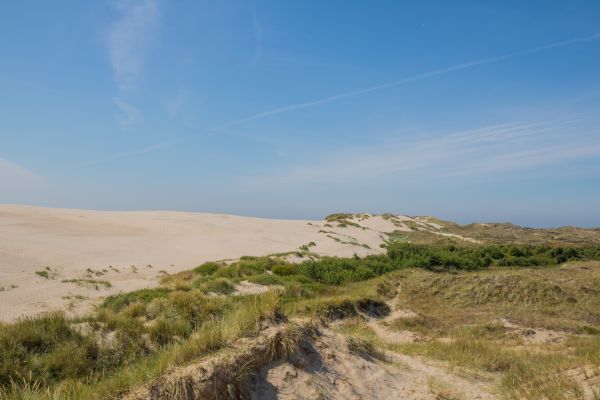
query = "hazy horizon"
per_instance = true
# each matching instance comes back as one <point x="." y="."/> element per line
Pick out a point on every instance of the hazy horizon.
<point x="464" y="221"/>
<point x="465" y="111"/>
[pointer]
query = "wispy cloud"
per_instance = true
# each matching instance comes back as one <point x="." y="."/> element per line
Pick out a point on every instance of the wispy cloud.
<point x="495" y="148"/>
<point x="410" y="79"/>
<point x="173" y="105"/>
<point x="14" y="177"/>
<point x="258" y="36"/>
<point x="128" y="115"/>
<point x="116" y="156"/>
<point x="129" y="37"/>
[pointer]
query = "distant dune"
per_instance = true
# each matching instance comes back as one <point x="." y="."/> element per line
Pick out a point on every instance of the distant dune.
<point x="40" y="248"/>
<point x="66" y="259"/>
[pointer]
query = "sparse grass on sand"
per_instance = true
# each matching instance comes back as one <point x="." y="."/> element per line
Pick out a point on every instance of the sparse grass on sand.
<point x="95" y="283"/>
<point x="537" y="329"/>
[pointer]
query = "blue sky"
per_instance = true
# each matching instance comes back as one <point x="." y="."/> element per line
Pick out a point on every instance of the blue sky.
<point x="467" y="110"/>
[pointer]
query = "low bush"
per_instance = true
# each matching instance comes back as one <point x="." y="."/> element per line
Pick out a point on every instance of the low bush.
<point x="163" y="331"/>
<point x="144" y="296"/>
<point x="265" y="279"/>
<point x="207" y="268"/>
<point x="338" y="217"/>
<point x="285" y="269"/>
<point x="335" y="310"/>
<point x="218" y="286"/>
<point x="43" y="348"/>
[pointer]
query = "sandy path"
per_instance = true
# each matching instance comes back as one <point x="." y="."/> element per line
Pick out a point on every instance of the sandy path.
<point x="129" y="249"/>
<point x="330" y="371"/>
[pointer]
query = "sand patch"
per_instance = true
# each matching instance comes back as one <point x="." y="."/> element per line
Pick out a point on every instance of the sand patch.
<point x="132" y="250"/>
<point x="379" y="326"/>
<point x="321" y="366"/>
<point x="245" y="287"/>
<point x="534" y="336"/>
<point x="325" y="369"/>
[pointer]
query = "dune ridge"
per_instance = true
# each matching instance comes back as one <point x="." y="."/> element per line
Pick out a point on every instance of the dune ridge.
<point x="54" y="259"/>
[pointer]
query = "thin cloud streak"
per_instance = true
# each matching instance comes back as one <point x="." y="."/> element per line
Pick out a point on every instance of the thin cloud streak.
<point x="258" y="36"/>
<point x="129" y="115"/>
<point x="129" y="37"/>
<point x="145" y="150"/>
<point x="495" y="148"/>
<point x="14" y="177"/>
<point x="413" y="78"/>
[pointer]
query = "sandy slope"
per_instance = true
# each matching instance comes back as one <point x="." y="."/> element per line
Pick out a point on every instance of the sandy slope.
<point x="321" y="367"/>
<point x="129" y="249"/>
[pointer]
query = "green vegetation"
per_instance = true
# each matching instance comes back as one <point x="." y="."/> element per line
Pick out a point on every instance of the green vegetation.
<point x="208" y="268"/>
<point x="528" y="325"/>
<point x="47" y="273"/>
<point x="89" y="282"/>
<point x="425" y="230"/>
<point x="144" y="296"/>
<point x="364" y="348"/>
<point x="458" y="296"/>
<point x="46" y="348"/>
<point x="266" y="279"/>
<point x="342" y="219"/>
<point x="218" y="286"/>
<point x="338" y="217"/>
<point x="438" y="258"/>
<point x="125" y="345"/>
<point x="43" y="274"/>
<point x="306" y="247"/>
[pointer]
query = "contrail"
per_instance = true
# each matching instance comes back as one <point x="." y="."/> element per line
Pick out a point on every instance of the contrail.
<point x="413" y="78"/>
<point x="145" y="150"/>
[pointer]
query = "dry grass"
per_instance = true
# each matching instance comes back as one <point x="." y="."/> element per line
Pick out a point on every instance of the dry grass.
<point x="495" y="233"/>
<point x="481" y="321"/>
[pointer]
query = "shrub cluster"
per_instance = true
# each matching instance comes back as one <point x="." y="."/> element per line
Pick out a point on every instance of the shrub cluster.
<point x="337" y="271"/>
<point x="46" y="348"/>
<point x="50" y="348"/>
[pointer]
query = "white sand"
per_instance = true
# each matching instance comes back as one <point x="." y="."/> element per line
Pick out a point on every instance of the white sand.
<point x="68" y="242"/>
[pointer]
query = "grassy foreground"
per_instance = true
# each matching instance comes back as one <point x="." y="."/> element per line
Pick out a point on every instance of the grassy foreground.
<point x="472" y="306"/>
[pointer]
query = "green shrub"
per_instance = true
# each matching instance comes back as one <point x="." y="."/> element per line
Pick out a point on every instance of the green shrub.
<point x="297" y="278"/>
<point x="39" y="334"/>
<point x="164" y="331"/>
<point x="338" y="217"/>
<point x="230" y="271"/>
<point x="445" y="257"/>
<point x="207" y="268"/>
<point x="114" y="321"/>
<point x="265" y="279"/>
<point x="194" y="307"/>
<point x="218" y="286"/>
<point x="67" y="360"/>
<point x="43" y="274"/>
<point x="252" y="267"/>
<point x="247" y="266"/>
<point x="337" y="310"/>
<point x="201" y="280"/>
<point x="43" y="348"/>
<point x="285" y="269"/>
<point x="123" y="349"/>
<point x="336" y="271"/>
<point x="295" y="289"/>
<point x="144" y="296"/>
<point x="341" y="270"/>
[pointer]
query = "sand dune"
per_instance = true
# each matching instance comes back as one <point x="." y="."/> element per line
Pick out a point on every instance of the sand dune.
<point x="130" y="250"/>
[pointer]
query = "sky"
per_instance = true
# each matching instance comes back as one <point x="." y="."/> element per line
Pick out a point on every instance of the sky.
<point x="472" y="111"/>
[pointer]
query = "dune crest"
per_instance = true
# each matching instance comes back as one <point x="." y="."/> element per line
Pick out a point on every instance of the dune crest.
<point x="53" y="259"/>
